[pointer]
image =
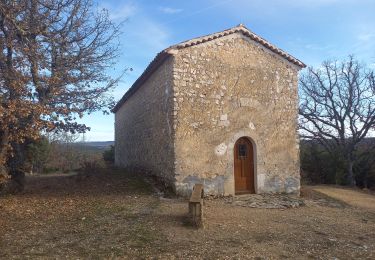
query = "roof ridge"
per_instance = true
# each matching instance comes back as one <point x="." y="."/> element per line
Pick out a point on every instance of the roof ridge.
<point x="244" y="30"/>
<point x="164" y="54"/>
<point x="180" y="44"/>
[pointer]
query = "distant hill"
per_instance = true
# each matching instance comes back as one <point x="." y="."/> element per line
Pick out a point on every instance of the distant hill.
<point x="103" y="145"/>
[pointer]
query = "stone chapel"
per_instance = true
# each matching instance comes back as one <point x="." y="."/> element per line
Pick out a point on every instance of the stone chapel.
<point x="220" y="110"/>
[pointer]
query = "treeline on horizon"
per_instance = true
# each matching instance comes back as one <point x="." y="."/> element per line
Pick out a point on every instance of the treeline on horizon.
<point x="65" y="155"/>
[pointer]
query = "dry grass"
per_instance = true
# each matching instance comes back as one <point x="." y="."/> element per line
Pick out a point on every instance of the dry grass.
<point x="116" y="215"/>
<point x="354" y="198"/>
<point x="103" y="215"/>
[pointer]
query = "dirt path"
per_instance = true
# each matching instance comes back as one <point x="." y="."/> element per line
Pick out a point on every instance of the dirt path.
<point x="351" y="197"/>
<point x="117" y="215"/>
<point x="323" y="229"/>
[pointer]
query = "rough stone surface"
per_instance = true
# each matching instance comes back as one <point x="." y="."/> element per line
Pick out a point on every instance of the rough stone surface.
<point x="183" y="122"/>
<point x="227" y="89"/>
<point x="144" y="127"/>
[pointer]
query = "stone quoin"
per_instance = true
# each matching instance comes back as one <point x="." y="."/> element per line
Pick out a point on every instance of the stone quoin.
<point x="220" y="110"/>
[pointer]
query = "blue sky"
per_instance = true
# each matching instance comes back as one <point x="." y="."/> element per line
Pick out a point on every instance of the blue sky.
<point x="310" y="30"/>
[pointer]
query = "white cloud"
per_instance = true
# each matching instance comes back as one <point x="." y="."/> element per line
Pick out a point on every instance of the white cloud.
<point x="318" y="47"/>
<point x="310" y="3"/>
<point x="146" y="35"/>
<point x="170" y="10"/>
<point x="123" y="12"/>
<point x="363" y="45"/>
<point x="140" y="32"/>
<point x="366" y="37"/>
<point x="260" y="8"/>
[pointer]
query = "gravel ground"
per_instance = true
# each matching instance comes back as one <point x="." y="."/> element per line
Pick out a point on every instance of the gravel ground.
<point x="118" y="215"/>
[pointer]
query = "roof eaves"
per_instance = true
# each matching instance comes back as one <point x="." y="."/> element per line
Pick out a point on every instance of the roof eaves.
<point x="154" y="64"/>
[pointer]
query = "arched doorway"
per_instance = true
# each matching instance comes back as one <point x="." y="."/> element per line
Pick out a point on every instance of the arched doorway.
<point x="244" y="166"/>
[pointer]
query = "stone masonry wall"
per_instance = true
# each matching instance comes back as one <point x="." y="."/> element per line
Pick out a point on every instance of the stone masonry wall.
<point x="225" y="89"/>
<point x="144" y="127"/>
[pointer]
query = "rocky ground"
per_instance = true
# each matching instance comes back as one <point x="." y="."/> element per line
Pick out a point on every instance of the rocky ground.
<point x="119" y="215"/>
<point x="266" y="201"/>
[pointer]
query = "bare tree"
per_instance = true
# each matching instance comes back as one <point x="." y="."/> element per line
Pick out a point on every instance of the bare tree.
<point x="54" y="55"/>
<point x="337" y="107"/>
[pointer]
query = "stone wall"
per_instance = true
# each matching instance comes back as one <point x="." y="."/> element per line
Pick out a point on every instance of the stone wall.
<point x="225" y="89"/>
<point x="144" y="127"/>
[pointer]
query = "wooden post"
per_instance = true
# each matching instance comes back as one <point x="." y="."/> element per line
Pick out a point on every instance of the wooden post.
<point x="196" y="206"/>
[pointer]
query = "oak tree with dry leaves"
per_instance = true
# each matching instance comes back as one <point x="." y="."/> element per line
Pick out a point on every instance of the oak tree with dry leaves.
<point x="53" y="62"/>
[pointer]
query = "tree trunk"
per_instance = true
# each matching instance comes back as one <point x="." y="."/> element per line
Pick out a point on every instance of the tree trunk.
<point x="351" y="179"/>
<point x="11" y="166"/>
<point x="4" y="142"/>
<point x="17" y="161"/>
<point x="365" y="183"/>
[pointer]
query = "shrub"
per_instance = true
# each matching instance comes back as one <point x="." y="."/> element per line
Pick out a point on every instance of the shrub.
<point x="92" y="164"/>
<point x="38" y="154"/>
<point x="318" y="166"/>
<point x="109" y="155"/>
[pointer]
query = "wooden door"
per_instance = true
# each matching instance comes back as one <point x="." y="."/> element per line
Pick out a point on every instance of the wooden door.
<point x="244" y="166"/>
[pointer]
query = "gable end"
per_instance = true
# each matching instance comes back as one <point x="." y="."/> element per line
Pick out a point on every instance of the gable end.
<point x="163" y="55"/>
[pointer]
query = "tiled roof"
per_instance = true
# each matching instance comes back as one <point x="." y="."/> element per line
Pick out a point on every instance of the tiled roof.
<point x="161" y="56"/>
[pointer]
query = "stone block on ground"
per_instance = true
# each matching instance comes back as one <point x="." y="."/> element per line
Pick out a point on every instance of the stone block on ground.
<point x="196" y="206"/>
